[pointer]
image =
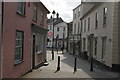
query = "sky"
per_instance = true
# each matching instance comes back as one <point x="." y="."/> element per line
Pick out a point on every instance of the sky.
<point x="63" y="7"/>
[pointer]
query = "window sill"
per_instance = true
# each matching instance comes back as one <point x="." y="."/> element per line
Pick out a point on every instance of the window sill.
<point x="104" y="25"/>
<point x="19" y="13"/>
<point x="19" y="62"/>
<point x="95" y="57"/>
<point x="39" y="52"/>
<point x="34" y="20"/>
<point x="103" y="60"/>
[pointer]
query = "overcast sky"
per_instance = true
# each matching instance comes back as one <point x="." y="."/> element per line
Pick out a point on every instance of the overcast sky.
<point x="63" y="7"/>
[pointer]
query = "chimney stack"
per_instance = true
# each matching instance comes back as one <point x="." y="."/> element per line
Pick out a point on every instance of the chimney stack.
<point x="57" y="15"/>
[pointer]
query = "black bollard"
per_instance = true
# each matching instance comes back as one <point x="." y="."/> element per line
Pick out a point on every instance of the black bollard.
<point x="52" y="55"/>
<point x="75" y="68"/>
<point x="91" y="65"/>
<point x="58" y="67"/>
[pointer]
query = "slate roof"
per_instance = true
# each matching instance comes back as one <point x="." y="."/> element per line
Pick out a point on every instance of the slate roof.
<point x="56" y="21"/>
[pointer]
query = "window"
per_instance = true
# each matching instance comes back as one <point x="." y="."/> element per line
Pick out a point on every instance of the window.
<point x="96" y="20"/>
<point x="50" y="27"/>
<point x="40" y="43"/>
<point x="84" y="44"/>
<point x="74" y="14"/>
<point x="19" y="46"/>
<point x="95" y="52"/>
<point x="58" y="29"/>
<point x="35" y="14"/>
<point x="85" y="26"/>
<point x="21" y="7"/>
<point x="78" y="28"/>
<point x="64" y="29"/>
<point x="74" y="28"/>
<point x="57" y="37"/>
<point x="42" y="17"/>
<point x="88" y="24"/>
<point x="103" y="46"/>
<point x="79" y="12"/>
<point x="104" y="15"/>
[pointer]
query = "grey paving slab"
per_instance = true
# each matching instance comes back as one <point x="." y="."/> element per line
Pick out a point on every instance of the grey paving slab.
<point x="67" y="69"/>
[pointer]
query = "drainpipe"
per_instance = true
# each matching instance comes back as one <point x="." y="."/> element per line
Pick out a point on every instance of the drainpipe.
<point x="1" y="31"/>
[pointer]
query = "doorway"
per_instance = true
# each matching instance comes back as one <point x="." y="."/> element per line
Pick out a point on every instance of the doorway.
<point x="33" y="52"/>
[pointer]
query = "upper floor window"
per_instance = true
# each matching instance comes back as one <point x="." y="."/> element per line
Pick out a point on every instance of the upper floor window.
<point x="35" y="14"/>
<point x="21" y="7"/>
<point x="74" y="28"/>
<point x="58" y="29"/>
<point x="64" y="29"/>
<point x="75" y="15"/>
<point x="105" y="15"/>
<point x="96" y="20"/>
<point x="85" y="26"/>
<point x="42" y="17"/>
<point x="89" y="24"/>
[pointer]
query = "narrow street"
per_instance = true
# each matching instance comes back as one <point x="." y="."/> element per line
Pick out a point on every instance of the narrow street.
<point x="67" y="69"/>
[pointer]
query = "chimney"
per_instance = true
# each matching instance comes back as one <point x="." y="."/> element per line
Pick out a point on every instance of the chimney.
<point x="51" y="17"/>
<point x="57" y="15"/>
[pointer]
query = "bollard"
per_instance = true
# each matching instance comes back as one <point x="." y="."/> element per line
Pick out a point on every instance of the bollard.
<point x="75" y="64"/>
<point x="91" y="65"/>
<point x="52" y="55"/>
<point x="58" y="67"/>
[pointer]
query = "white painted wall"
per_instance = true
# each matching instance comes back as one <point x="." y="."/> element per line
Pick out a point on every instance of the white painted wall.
<point x="102" y="31"/>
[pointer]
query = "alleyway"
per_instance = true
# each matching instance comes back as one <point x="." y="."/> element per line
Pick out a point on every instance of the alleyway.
<point x="67" y="69"/>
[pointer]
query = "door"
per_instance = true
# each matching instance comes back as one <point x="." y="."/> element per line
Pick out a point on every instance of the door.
<point x="33" y="52"/>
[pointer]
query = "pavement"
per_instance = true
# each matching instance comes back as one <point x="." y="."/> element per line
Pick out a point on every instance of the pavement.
<point x="67" y="68"/>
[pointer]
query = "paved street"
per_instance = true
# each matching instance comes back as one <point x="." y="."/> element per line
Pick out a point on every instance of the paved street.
<point x="67" y="69"/>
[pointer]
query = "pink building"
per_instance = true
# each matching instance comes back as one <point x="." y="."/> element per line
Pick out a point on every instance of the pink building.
<point x="24" y="37"/>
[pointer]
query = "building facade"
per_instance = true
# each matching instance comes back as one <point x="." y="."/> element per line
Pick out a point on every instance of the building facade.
<point x="76" y="31"/>
<point x="69" y="33"/>
<point x="100" y="33"/>
<point x="24" y="37"/>
<point x="60" y="33"/>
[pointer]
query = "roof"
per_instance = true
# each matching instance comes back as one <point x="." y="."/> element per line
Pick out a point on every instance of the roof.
<point x="93" y="8"/>
<point x="56" y="21"/>
<point x="44" y="7"/>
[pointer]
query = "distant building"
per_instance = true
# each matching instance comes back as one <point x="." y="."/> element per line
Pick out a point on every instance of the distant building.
<point x="24" y="37"/>
<point x="69" y="33"/>
<point x="60" y="33"/>
<point x="76" y="31"/>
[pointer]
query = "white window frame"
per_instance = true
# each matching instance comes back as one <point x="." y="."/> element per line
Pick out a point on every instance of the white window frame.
<point x="20" y="45"/>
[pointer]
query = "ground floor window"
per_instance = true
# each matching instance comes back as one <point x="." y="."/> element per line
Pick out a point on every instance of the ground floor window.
<point x="19" y="46"/>
<point x="103" y="47"/>
<point x="40" y="43"/>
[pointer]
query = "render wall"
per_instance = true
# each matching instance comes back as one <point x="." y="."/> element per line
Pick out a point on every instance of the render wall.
<point x="101" y="31"/>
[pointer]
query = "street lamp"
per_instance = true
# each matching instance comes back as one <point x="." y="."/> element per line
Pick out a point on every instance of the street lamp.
<point x="53" y="35"/>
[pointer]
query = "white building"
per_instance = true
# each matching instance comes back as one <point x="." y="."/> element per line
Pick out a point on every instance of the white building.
<point x="60" y="30"/>
<point x="100" y="33"/>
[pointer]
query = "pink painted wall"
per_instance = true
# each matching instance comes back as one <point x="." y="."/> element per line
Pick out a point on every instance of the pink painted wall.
<point x="12" y="22"/>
